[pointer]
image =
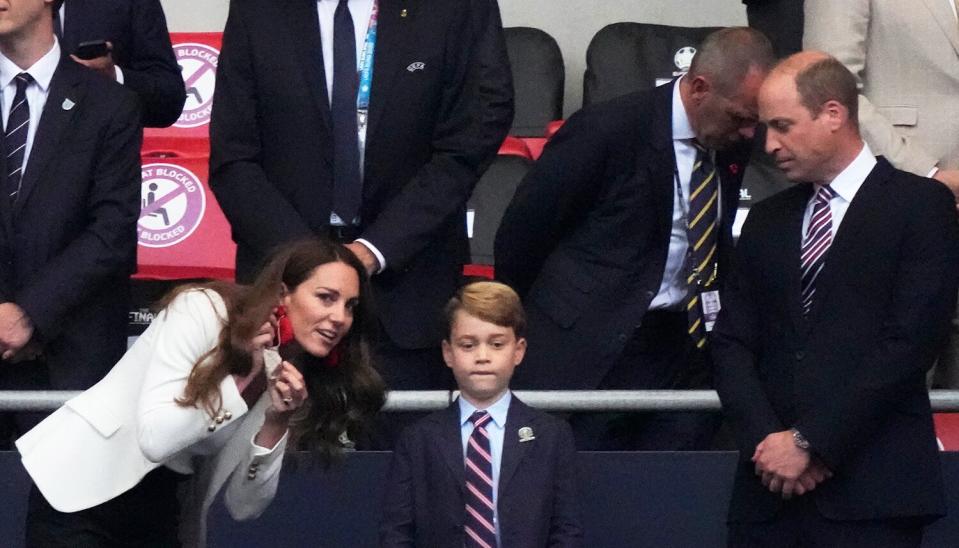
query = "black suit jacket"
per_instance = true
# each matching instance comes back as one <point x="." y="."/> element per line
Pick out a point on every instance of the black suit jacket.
<point x="425" y="502"/>
<point x="851" y="375"/>
<point x="586" y="236"/>
<point x="141" y="48"/>
<point x="68" y="245"/>
<point x="271" y="159"/>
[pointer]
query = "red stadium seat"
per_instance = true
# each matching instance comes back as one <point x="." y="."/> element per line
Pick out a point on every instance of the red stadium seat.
<point x="947" y="430"/>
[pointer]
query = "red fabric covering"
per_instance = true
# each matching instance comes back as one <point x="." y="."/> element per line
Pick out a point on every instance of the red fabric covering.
<point x="514" y="146"/>
<point x="478" y="271"/>
<point x="947" y="430"/>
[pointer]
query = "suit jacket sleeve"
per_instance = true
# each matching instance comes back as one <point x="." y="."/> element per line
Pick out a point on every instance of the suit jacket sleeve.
<point x="259" y="215"/>
<point x="564" y="528"/>
<point x="190" y="327"/>
<point x="462" y="144"/>
<point x="557" y="189"/>
<point x="841" y="29"/>
<point x="915" y="328"/>
<point x="106" y="248"/>
<point x="734" y="344"/>
<point x="397" y="527"/>
<point x="152" y="71"/>
<point x="492" y="75"/>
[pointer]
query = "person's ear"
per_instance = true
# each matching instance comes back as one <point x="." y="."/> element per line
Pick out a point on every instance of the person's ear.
<point x="834" y="114"/>
<point x="447" y="353"/>
<point x="520" y="351"/>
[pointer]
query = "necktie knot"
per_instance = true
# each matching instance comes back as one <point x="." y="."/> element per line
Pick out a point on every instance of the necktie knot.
<point x="479" y="418"/>
<point x="23" y="80"/>
<point x="825" y="192"/>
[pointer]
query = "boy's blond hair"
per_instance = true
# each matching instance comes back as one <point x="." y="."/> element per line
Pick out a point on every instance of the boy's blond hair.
<point x="492" y="302"/>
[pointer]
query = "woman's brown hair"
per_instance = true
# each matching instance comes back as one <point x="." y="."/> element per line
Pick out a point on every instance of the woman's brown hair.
<point x="342" y="399"/>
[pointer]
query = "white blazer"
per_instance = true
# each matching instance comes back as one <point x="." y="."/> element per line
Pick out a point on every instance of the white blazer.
<point x="104" y="441"/>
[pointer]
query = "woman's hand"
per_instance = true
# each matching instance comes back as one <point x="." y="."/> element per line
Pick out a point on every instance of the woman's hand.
<point x="263" y="338"/>
<point x="287" y="390"/>
<point x="287" y="394"/>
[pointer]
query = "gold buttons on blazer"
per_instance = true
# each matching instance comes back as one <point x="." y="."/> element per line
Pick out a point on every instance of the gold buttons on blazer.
<point x="251" y="473"/>
<point x="217" y="420"/>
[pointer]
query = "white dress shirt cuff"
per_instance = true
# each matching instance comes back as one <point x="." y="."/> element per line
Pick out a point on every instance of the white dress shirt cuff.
<point x="376" y="253"/>
<point x="933" y="171"/>
<point x="260" y="451"/>
<point x="119" y="74"/>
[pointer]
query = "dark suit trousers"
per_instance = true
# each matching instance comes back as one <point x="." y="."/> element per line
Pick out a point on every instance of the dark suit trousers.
<point x="799" y="525"/>
<point x="145" y="516"/>
<point x="659" y="356"/>
<point x="28" y="375"/>
<point x="781" y="21"/>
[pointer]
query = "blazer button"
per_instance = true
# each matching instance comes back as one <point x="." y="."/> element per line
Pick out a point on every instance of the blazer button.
<point x="227" y="415"/>
<point x="622" y="337"/>
<point x="251" y="475"/>
<point x="800" y="355"/>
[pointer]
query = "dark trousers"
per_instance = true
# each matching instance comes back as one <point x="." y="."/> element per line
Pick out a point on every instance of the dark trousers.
<point x="145" y="516"/>
<point x="660" y="355"/>
<point x="799" y="525"/>
<point x="28" y="375"/>
<point x="781" y="21"/>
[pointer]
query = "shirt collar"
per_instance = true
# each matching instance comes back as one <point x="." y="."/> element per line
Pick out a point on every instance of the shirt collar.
<point x="497" y="411"/>
<point x="41" y="71"/>
<point x="682" y="129"/>
<point x="847" y="183"/>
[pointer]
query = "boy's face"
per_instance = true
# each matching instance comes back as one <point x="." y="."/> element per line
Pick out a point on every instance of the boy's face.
<point x="482" y="356"/>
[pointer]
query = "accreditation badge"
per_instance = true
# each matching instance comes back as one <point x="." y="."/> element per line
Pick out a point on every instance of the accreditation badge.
<point x="711" y="306"/>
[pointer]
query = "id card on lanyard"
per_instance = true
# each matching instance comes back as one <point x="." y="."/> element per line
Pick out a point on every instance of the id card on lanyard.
<point x="366" y="83"/>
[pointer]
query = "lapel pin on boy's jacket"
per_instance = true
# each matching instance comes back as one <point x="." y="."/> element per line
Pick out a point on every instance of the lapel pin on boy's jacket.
<point x="526" y="434"/>
<point x="67" y="104"/>
<point x="403" y="12"/>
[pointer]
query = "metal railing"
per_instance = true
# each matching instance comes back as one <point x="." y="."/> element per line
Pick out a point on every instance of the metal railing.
<point x="547" y="400"/>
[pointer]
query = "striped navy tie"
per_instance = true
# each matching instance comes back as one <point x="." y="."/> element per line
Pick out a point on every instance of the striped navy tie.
<point x="701" y="232"/>
<point x="816" y="244"/>
<point x="15" y="136"/>
<point x="480" y="510"/>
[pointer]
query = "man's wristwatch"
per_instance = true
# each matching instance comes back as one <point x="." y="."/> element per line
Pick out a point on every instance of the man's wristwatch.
<point x="800" y="440"/>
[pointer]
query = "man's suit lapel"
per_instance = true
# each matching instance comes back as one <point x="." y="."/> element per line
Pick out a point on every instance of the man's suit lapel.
<point x="945" y="19"/>
<point x="661" y="162"/>
<point x="393" y="37"/>
<point x="450" y="444"/>
<point x="860" y="216"/>
<point x="305" y="29"/>
<point x="514" y="451"/>
<point x="64" y="100"/>
<point x="791" y="250"/>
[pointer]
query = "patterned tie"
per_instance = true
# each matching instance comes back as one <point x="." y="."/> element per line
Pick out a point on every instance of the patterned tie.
<point x="347" y="186"/>
<point x="480" y="511"/>
<point x="15" y="135"/>
<point x="816" y="244"/>
<point x="701" y="232"/>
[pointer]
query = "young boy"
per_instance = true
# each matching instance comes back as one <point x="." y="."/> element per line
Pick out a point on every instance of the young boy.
<point x="487" y="471"/>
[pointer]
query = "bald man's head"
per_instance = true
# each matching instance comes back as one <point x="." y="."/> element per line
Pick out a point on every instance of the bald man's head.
<point x="809" y="103"/>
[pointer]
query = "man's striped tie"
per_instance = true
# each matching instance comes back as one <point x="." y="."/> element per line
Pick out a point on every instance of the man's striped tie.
<point x="15" y="136"/>
<point x="816" y="244"/>
<point x="701" y="229"/>
<point x="480" y="510"/>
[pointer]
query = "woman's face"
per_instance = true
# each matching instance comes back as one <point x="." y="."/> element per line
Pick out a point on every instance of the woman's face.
<point x="321" y="308"/>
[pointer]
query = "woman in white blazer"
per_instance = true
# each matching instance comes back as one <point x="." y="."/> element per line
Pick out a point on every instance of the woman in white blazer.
<point x="202" y="399"/>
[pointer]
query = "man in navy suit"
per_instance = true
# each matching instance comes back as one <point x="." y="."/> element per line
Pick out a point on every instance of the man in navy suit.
<point x="70" y="176"/>
<point x="286" y="160"/>
<point x="618" y="236"/>
<point x="489" y="470"/>
<point x="837" y="307"/>
<point x="141" y="57"/>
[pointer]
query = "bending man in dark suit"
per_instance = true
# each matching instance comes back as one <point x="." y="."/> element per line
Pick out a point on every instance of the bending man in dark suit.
<point x="597" y="239"/>
<point x="285" y="163"/>
<point x="141" y="57"/>
<point x="70" y="179"/>
<point x="837" y="307"/>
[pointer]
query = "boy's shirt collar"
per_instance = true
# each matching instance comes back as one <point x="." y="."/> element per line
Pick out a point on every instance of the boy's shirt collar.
<point x="497" y="411"/>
